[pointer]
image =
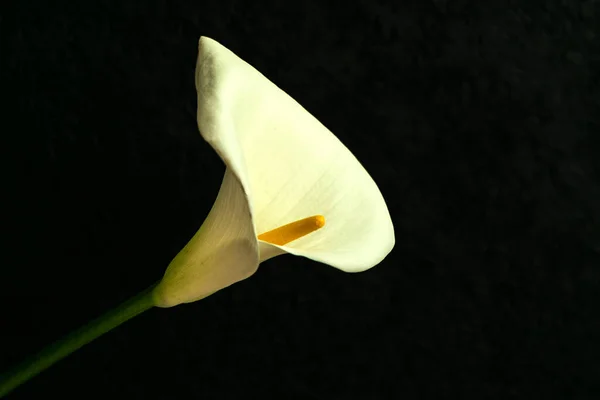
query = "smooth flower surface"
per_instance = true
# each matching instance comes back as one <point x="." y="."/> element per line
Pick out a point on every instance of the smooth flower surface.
<point x="282" y="166"/>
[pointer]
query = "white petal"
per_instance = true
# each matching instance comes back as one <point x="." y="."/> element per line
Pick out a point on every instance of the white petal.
<point x="222" y="252"/>
<point x="289" y="164"/>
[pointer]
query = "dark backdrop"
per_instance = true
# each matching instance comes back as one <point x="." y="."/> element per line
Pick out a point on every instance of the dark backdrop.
<point x="479" y="121"/>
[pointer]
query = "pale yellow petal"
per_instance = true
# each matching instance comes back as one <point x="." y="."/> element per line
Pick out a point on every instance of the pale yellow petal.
<point x="290" y="165"/>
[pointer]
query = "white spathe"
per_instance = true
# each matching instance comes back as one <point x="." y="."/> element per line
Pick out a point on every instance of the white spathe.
<point x="282" y="165"/>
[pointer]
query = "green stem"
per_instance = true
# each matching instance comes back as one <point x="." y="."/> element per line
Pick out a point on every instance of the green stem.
<point x="62" y="348"/>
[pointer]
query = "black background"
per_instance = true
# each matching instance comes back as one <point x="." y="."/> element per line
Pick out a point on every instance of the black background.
<point x="478" y="120"/>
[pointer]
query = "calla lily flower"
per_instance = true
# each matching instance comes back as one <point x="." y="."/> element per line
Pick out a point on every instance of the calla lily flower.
<point x="290" y="187"/>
